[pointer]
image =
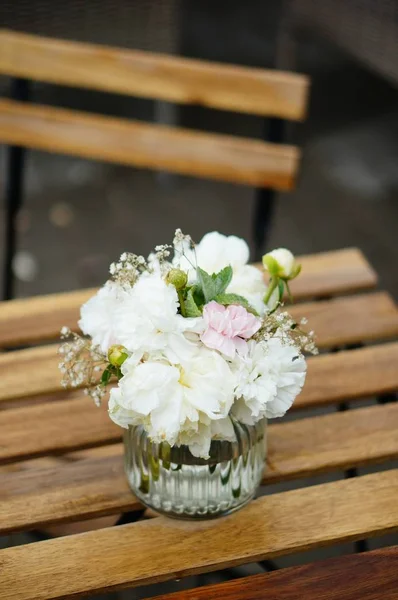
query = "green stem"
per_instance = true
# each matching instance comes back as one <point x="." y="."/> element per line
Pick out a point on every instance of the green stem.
<point x="289" y="293"/>
<point x="272" y="286"/>
<point x="182" y="305"/>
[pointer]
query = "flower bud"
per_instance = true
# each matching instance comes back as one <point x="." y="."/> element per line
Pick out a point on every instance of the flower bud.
<point x="281" y="263"/>
<point x="178" y="278"/>
<point x="117" y="355"/>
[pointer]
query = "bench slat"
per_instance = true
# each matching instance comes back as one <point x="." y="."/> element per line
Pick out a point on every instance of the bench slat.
<point x="162" y="549"/>
<point x="40" y="318"/>
<point x="350" y="375"/>
<point x="61" y="427"/>
<point x="150" y="75"/>
<point x="369" y="576"/>
<point x="347" y="375"/>
<point x="96" y="485"/>
<point x="34" y="371"/>
<point x="54" y="428"/>
<point x="351" y="319"/>
<point x="127" y="142"/>
<point x="332" y="273"/>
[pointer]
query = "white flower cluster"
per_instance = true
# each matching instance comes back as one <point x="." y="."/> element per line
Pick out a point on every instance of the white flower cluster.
<point x="175" y="377"/>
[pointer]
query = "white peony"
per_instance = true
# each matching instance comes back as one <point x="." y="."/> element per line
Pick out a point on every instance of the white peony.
<point x="148" y="319"/>
<point x="255" y="387"/>
<point x="119" y="415"/>
<point x="175" y="402"/>
<point x="269" y="378"/>
<point x="199" y="439"/>
<point x="281" y="260"/>
<point x="216" y="251"/>
<point x="97" y="315"/>
<point x="288" y="368"/>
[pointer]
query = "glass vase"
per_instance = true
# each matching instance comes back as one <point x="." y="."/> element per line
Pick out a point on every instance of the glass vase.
<point x="172" y="481"/>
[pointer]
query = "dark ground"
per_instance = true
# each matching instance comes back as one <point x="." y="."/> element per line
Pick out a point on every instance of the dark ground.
<point x="78" y="216"/>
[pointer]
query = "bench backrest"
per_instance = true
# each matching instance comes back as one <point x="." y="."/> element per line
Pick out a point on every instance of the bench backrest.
<point x="262" y="92"/>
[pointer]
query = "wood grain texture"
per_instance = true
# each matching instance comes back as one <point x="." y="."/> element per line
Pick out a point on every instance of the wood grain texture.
<point x="64" y="492"/>
<point x="331" y="378"/>
<point x="153" y="146"/>
<point x="332" y="273"/>
<point x="368" y="576"/>
<point x="350" y="375"/>
<point x="149" y="75"/>
<point x="54" y="428"/>
<point x="30" y="320"/>
<point x="29" y="373"/>
<point x="34" y="371"/>
<point x="332" y="442"/>
<point x="49" y="491"/>
<point x="347" y="375"/>
<point x="146" y="552"/>
<point x="350" y="320"/>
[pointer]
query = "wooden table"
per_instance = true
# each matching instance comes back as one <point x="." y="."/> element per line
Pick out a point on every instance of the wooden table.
<point x="61" y="459"/>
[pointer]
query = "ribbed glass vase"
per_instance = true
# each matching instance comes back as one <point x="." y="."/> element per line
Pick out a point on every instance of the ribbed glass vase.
<point x="174" y="482"/>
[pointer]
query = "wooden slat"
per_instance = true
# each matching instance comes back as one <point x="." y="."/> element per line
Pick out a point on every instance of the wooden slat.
<point x="350" y="320"/>
<point x="162" y="549"/>
<point x="350" y="375"/>
<point x="40" y="318"/>
<point x="149" y="75"/>
<point x="331" y="378"/>
<point x="332" y="442"/>
<point x="34" y="371"/>
<point x="127" y="142"/>
<point x="29" y="373"/>
<point x="54" y="428"/>
<point x="96" y="485"/>
<point x="368" y="576"/>
<point x="332" y="273"/>
<point x="64" y="492"/>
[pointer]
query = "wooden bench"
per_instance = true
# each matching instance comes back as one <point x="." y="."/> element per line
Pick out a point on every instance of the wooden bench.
<point x="33" y="320"/>
<point x="162" y="549"/>
<point x="240" y="160"/>
<point x="61" y="459"/>
<point x="369" y="576"/>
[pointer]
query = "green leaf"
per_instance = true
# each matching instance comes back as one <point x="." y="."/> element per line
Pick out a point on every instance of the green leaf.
<point x="106" y="375"/>
<point x="215" y="284"/>
<point x="198" y="296"/>
<point x="223" y="279"/>
<point x="207" y="284"/>
<point x="191" y="308"/>
<point x="227" y="299"/>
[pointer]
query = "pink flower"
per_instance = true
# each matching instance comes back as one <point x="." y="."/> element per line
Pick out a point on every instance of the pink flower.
<point x="228" y="328"/>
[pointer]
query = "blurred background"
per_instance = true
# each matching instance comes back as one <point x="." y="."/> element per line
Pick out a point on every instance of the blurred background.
<point x="79" y="215"/>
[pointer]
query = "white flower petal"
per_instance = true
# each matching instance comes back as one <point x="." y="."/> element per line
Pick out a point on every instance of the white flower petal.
<point x="98" y="316"/>
<point x="269" y="378"/>
<point x="117" y="413"/>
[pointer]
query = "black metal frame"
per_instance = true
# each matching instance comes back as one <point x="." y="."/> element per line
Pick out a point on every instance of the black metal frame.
<point x="13" y="193"/>
<point x="273" y="131"/>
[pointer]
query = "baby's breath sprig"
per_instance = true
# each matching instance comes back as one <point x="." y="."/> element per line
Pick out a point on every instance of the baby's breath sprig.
<point x="127" y="270"/>
<point x="81" y="364"/>
<point x="283" y="326"/>
<point x="181" y="243"/>
<point x="162" y="252"/>
<point x="158" y="260"/>
<point x="182" y="239"/>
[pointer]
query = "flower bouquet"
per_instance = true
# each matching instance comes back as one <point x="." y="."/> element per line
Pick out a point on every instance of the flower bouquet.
<point x="198" y="353"/>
